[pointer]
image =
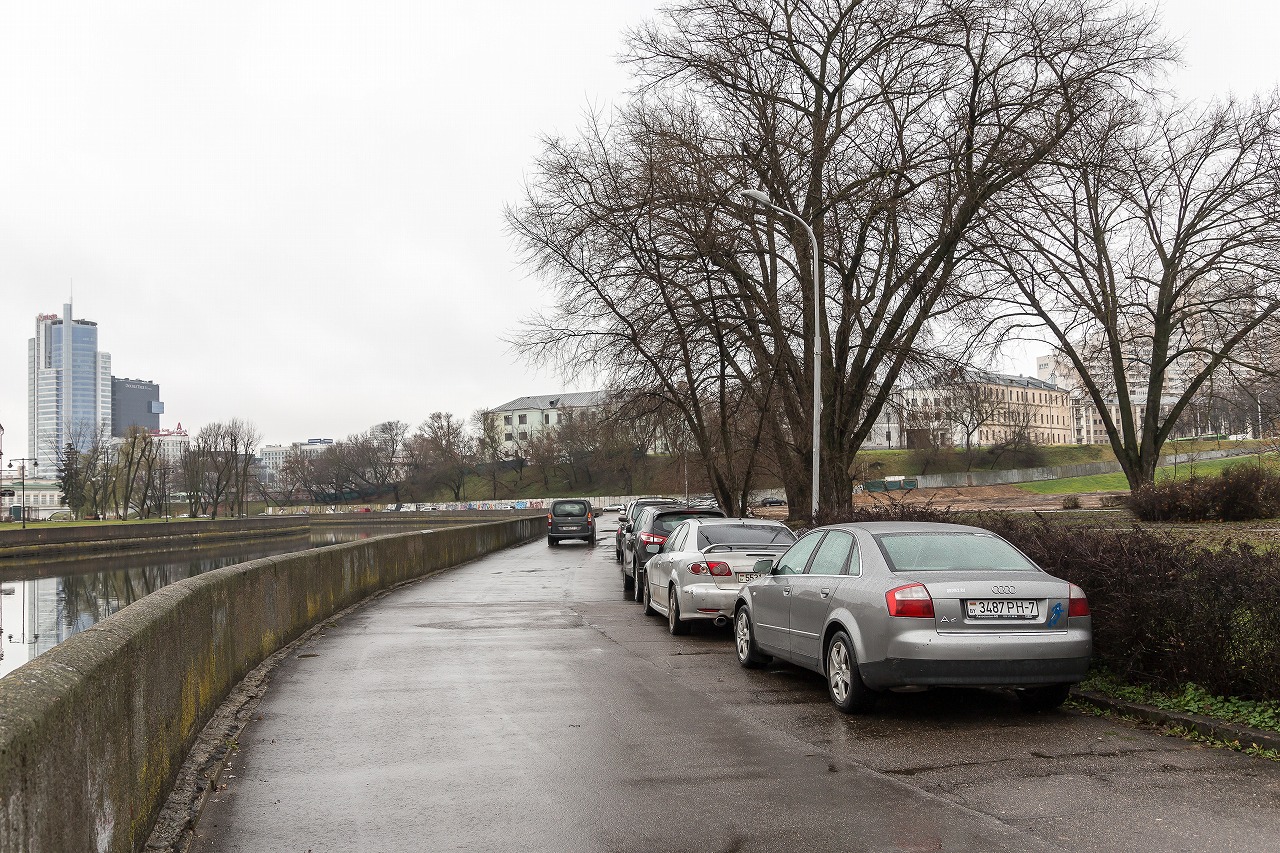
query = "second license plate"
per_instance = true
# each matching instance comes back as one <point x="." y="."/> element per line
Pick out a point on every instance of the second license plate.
<point x="1002" y="608"/>
<point x="743" y="577"/>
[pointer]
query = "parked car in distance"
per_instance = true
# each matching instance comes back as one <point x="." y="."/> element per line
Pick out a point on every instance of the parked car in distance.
<point x="703" y="564"/>
<point x="772" y="502"/>
<point x="626" y="518"/>
<point x="889" y="605"/>
<point x="571" y="519"/>
<point x="651" y="528"/>
<point x="611" y="508"/>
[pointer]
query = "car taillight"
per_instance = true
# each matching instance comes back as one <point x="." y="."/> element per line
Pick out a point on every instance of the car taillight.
<point x="1079" y="604"/>
<point x="910" y="600"/>
<point x="548" y="519"/>
<point x="716" y="569"/>
<point x="652" y="538"/>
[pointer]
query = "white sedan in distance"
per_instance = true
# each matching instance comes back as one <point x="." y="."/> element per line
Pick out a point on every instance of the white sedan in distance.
<point x="703" y="564"/>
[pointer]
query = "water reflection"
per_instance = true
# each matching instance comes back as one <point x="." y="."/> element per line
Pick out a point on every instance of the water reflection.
<point x="46" y="601"/>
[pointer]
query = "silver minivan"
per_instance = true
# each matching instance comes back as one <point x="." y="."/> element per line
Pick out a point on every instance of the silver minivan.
<point x="571" y="519"/>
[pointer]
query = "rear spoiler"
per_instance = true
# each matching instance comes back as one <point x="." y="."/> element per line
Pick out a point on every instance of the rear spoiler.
<point x="770" y="550"/>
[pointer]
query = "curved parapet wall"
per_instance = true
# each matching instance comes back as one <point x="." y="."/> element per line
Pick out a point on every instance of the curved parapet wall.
<point x="93" y="732"/>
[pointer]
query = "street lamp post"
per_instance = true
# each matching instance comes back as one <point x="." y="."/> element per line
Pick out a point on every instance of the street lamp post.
<point x="22" y="471"/>
<point x="762" y="198"/>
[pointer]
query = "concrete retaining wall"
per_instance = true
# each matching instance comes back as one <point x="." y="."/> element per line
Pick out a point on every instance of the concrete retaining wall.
<point x="113" y="536"/>
<point x="93" y="732"/>
<point x="1026" y="475"/>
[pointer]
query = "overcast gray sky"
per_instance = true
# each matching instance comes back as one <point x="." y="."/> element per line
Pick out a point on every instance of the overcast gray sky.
<point x="291" y="212"/>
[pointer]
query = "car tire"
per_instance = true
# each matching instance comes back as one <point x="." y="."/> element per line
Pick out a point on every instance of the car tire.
<point x="551" y="540"/>
<point x="844" y="684"/>
<point x="648" y="601"/>
<point x="617" y="556"/>
<point x="641" y="581"/>
<point x="677" y="626"/>
<point x="627" y="583"/>
<point x="744" y="640"/>
<point x="1047" y="698"/>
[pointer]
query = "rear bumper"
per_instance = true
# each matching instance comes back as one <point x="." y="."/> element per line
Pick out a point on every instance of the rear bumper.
<point x="696" y="597"/>
<point x="583" y="531"/>
<point x="905" y="672"/>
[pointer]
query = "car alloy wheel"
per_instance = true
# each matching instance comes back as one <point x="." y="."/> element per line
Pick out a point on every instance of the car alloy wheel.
<point x="675" y="624"/>
<point x="641" y="581"/>
<point x="839" y="672"/>
<point x="648" y="601"/>
<point x="844" y="683"/>
<point x="742" y="636"/>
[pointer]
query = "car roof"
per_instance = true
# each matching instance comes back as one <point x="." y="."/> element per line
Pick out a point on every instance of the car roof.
<point x="875" y="527"/>
<point x="709" y="511"/>
<point x="741" y="522"/>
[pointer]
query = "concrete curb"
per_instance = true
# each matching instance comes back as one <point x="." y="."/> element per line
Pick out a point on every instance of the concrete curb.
<point x="1206" y="726"/>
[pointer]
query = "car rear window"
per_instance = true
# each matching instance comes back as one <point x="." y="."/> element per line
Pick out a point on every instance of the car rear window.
<point x="668" y="522"/>
<point x="941" y="552"/>
<point x="569" y="509"/>
<point x="744" y="534"/>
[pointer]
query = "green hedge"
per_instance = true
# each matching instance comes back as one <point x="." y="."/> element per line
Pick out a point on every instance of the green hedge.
<point x="1166" y="611"/>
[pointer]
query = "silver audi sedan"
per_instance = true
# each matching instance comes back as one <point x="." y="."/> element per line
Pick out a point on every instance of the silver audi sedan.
<point x="907" y="605"/>
<point x="703" y="564"/>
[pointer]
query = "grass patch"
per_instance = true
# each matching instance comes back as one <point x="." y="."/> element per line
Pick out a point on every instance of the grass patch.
<point x="1193" y="699"/>
<point x="1117" y="483"/>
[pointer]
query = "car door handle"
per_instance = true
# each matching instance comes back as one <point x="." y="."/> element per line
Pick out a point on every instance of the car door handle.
<point x="825" y="592"/>
<point x="786" y="590"/>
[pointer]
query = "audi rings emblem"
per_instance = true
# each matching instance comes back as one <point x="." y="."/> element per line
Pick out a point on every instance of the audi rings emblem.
<point x="1002" y="590"/>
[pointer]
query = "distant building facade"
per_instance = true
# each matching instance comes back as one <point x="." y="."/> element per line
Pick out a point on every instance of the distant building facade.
<point x="525" y="417"/>
<point x="979" y="408"/>
<point x="171" y="444"/>
<point x="134" y="402"/>
<point x="273" y="457"/>
<point x="68" y="387"/>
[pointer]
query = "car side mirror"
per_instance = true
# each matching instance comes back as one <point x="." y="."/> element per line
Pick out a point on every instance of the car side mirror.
<point x="763" y="567"/>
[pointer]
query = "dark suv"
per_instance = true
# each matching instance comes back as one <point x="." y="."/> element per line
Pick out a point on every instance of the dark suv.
<point x="651" y="528"/>
<point x="571" y="519"/>
<point x="627" y="517"/>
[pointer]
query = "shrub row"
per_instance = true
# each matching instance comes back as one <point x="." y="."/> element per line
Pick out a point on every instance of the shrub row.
<point x="1239" y="493"/>
<point x="1166" y="611"/>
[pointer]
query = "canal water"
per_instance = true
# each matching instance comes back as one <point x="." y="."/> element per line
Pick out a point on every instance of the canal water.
<point x="46" y="601"/>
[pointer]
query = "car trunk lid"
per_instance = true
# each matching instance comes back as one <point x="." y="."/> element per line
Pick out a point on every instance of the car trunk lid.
<point x="996" y="601"/>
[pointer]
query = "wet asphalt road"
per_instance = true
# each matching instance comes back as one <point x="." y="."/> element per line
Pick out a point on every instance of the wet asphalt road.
<point x="522" y="703"/>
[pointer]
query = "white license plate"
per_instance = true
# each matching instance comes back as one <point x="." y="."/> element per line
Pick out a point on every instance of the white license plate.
<point x="1002" y="608"/>
<point x="743" y="577"/>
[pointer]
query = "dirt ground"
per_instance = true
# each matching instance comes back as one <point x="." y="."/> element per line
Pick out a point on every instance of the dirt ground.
<point x="983" y="497"/>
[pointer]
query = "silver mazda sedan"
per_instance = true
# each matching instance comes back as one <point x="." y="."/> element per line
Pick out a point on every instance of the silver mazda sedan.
<point x="905" y="605"/>
<point x="703" y="564"/>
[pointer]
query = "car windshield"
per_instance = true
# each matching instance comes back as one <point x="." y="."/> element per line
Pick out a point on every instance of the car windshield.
<point x="744" y="534"/>
<point x="940" y="552"/>
<point x="668" y="522"/>
<point x="569" y="509"/>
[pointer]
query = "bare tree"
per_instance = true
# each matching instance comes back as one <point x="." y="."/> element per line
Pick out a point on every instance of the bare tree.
<point x="135" y="457"/>
<point x="971" y="404"/>
<point x="241" y="440"/>
<point x="489" y="452"/>
<point x="892" y="128"/>
<point x="441" y="453"/>
<point x="1150" y="250"/>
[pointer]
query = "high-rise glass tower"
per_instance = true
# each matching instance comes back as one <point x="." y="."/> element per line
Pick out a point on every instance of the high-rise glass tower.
<point x="68" y="387"/>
